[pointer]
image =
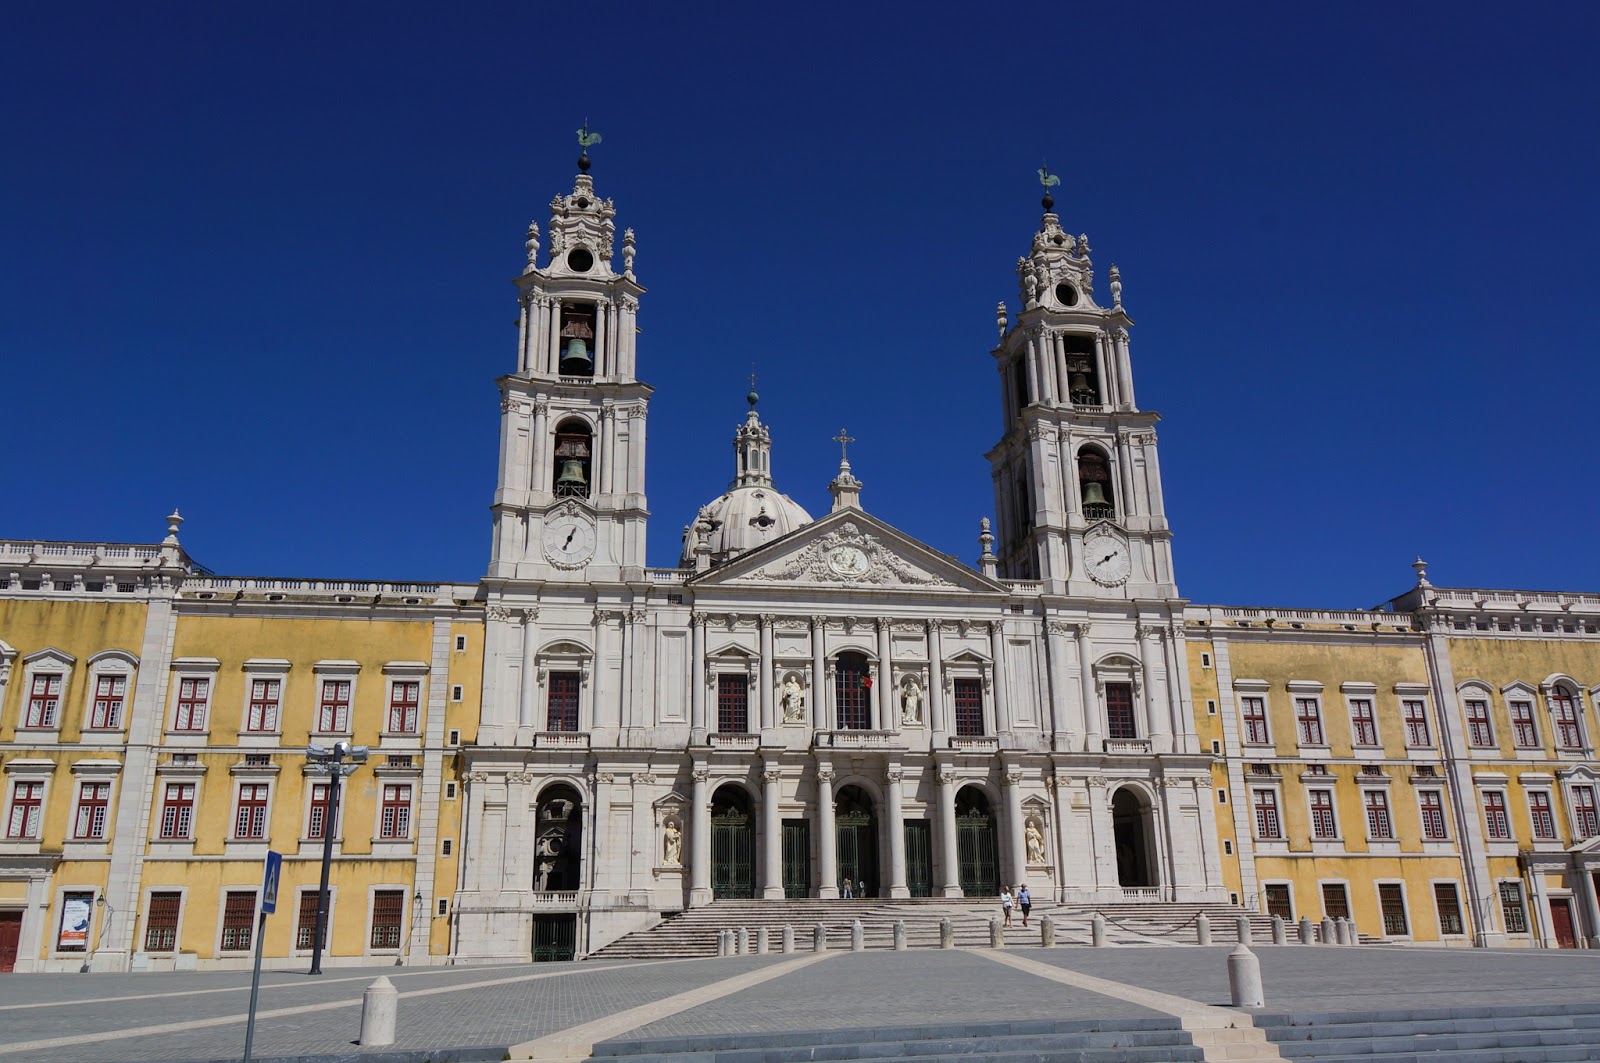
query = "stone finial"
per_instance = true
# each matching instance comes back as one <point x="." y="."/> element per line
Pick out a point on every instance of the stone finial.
<point x="1116" y="287"/>
<point x="1083" y="245"/>
<point x="1421" y="568"/>
<point x="986" y="559"/>
<point x="845" y="488"/>
<point x="627" y="253"/>
<point x="533" y="247"/>
<point x="1000" y="319"/>
<point x="174" y="521"/>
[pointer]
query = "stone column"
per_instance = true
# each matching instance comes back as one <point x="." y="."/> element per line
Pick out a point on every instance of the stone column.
<point x="1157" y="724"/>
<point x="827" y="842"/>
<point x="1128" y="504"/>
<point x="608" y="449"/>
<point x="1184" y="739"/>
<point x="1091" y="702"/>
<point x="819" y="710"/>
<point x="772" y="829"/>
<point x="1124" y="370"/>
<point x="1002" y="699"/>
<point x="897" y="833"/>
<point x="1103" y="837"/>
<point x="605" y="713"/>
<point x="768" y="723"/>
<point x="1066" y="722"/>
<point x="539" y="452"/>
<point x="553" y="349"/>
<point x="697" y="679"/>
<point x="528" y="695"/>
<point x="602" y="313"/>
<point x="631" y="618"/>
<point x="1109" y="391"/>
<point x="936" y="720"/>
<point x="595" y="843"/>
<point x="949" y="850"/>
<point x="887" y="719"/>
<point x="700" y="839"/>
<point x="1017" y="868"/>
<point x="1060" y="799"/>
<point x="1588" y="926"/>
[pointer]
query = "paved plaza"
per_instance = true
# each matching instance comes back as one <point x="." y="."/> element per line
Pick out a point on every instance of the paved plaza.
<point x="479" y="1013"/>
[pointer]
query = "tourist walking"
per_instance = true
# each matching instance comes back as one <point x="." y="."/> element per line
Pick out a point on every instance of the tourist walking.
<point x="1024" y="901"/>
<point x="1006" y="902"/>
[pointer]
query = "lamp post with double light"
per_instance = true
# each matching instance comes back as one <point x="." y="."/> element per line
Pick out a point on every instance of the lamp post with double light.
<point x="335" y="763"/>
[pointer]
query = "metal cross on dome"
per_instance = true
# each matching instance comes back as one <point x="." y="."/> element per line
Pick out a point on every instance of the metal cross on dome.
<point x="844" y="440"/>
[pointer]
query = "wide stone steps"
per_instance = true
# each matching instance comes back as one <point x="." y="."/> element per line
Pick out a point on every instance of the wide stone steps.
<point x="1530" y="1034"/>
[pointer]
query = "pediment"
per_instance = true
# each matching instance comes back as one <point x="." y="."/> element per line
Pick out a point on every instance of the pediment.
<point x="851" y="551"/>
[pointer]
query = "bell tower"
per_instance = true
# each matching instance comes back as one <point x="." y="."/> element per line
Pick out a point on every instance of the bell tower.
<point x="1077" y="484"/>
<point x="570" y="501"/>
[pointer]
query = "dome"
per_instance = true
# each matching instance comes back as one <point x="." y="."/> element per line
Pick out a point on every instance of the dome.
<point x="743" y="519"/>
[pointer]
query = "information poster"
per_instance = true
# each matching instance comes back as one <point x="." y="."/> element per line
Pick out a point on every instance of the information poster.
<point x="75" y="912"/>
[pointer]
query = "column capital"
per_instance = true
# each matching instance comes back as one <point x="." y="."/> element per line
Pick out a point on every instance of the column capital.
<point x="825" y="775"/>
<point x="818" y="621"/>
<point x="701" y="774"/>
<point x="1013" y="777"/>
<point x="947" y="777"/>
<point x="894" y="776"/>
<point x="772" y="775"/>
<point x="1097" y="782"/>
<point x="767" y="620"/>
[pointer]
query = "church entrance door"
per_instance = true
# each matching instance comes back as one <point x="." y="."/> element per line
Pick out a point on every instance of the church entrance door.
<point x="555" y="938"/>
<point x="979" y="872"/>
<point x="857" y="831"/>
<point x="919" y="857"/>
<point x="733" y="845"/>
<point x="1131" y="821"/>
<point x="796" y="858"/>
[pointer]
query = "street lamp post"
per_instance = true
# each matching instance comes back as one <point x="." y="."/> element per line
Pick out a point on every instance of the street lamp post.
<point x="336" y="763"/>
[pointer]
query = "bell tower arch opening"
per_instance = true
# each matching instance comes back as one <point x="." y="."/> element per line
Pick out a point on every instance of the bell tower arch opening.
<point x="571" y="459"/>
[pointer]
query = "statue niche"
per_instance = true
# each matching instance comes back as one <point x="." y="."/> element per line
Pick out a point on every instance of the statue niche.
<point x="558" y="851"/>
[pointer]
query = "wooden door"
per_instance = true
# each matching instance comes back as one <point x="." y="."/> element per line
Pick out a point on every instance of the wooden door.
<point x="1561" y="920"/>
<point x="10" y="935"/>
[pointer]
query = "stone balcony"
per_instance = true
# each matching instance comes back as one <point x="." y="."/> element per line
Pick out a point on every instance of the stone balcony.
<point x="561" y="740"/>
<point x="858" y="740"/>
<point x="1139" y="746"/>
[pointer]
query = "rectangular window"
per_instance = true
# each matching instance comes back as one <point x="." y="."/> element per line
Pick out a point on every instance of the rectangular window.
<point x="238" y="920"/>
<point x="305" y="927"/>
<point x="177" y="810"/>
<point x="1392" y="900"/>
<point x="89" y="821"/>
<point x="1523" y="732"/>
<point x="1119" y="711"/>
<point x="1308" y="715"/>
<point x="1431" y="805"/>
<point x="1448" y="902"/>
<point x="321" y="792"/>
<point x="1511" y="909"/>
<point x="403" y="705"/>
<point x="27" y="803"/>
<point x="110" y="691"/>
<point x="333" y="711"/>
<point x="1497" y="823"/>
<point x="1543" y="817"/>
<point x="395" y="816"/>
<point x="191" y="712"/>
<point x="1267" y="822"/>
<point x="388" y="909"/>
<point x="1416" y="716"/>
<point x="969" y="707"/>
<point x="251" y="819"/>
<point x="161" y="924"/>
<point x="1564" y="713"/>
<point x="852" y="691"/>
<point x="1278" y="901"/>
<point x="1363" y="724"/>
<point x="733" y="704"/>
<point x="1335" y="900"/>
<point x="1255" y="721"/>
<point x="1584" y="820"/>
<point x="1479" y="733"/>
<point x="562" y="711"/>
<point x="1323" y="822"/>
<point x="1378" y="822"/>
<point x="262" y="715"/>
<point x="44" y="702"/>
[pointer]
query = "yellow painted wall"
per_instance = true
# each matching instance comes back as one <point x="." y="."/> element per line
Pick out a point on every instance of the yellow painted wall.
<point x="77" y="628"/>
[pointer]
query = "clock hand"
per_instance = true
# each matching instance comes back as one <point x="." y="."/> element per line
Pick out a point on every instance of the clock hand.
<point x="570" y="534"/>
<point x="1108" y="557"/>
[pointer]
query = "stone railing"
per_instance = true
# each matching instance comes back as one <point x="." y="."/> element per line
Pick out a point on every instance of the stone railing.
<point x="1127" y="745"/>
<point x="856" y="739"/>
<point x="199" y="586"/>
<point x="730" y="740"/>
<point x="1144" y="894"/>
<point x="562" y="899"/>
<point x="561" y="739"/>
<point x="975" y="744"/>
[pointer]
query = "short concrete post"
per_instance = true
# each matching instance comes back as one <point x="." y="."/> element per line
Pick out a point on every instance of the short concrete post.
<point x="1097" y="929"/>
<point x="1305" y="930"/>
<point x="744" y="941"/>
<point x="858" y="937"/>
<point x="788" y="938"/>
<point x="380" y="1006"/>
<point x="1327" y="931"/>
<point x="1341" y="933"/>
<point x="1244" y="978"/>
<point x="1242" y="928"/>
<point x="722" y="943"/>
<point x="761" y="942"/>
<point x="1047" y="932"/>
<point x="819" y="938"/>
<point x="1202" y="929"/>
<point x="1280" y="932"/>
<point x="997" y="939"/>
<point x="899" y="935"/>
<point x="1355" y="935"/>
<point x="947" y="933"/>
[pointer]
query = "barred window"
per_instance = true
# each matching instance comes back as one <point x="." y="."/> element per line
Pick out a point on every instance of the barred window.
<point x="733" y="703"/>
<point x="238" y="920"/>
<point x="1448" y="902"/>
<point x="388" y="913"/>
<point x="1392" y="900"/>
<point x="161" y="922"/>
<point x="305" y="928"/>
<point x="852" y="692"/>
<point x="562" y="708"/>
<point x="969" y="707"/>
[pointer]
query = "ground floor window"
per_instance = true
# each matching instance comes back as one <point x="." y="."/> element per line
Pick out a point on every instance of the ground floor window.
<point x="1392" y="900"/>
<point x="1278" y="902"/>
<point x="1448" y="901"/>
<point x="305" y="927"/>
<point x="1335" y="900"/>
<point x="1512" y="909"/>
<point x="388" y="912"/>
<point x="238" y="920"/>
<point x="161" y="924"/>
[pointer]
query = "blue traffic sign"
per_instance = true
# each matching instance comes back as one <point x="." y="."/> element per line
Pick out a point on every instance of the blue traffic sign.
<point x="269" y="883"/>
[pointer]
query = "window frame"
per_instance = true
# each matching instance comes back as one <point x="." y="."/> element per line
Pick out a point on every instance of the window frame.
<point x="46" y="663"/>
<point x="1250" y="721"/>
<point x="116" y="666"/>
<point x="313" y="806"/>
<point x="1271" y="807"/>
<point x="1583" y="810"/>
<point x="1520" y="702"/>
<point x="1364" y="718"/>
<point x="1379" y="888"/>
<point x="1541" y="805"/>
<point x="229" y="926"/>
<point x="567" y="723"/>
<point x="1410" y="723"/>
<point x="251" y="799"/>
<point x="31" y="807"/>
<point x="1564" y="704"/>
<point x="1426" y="811"/>
<point x="84" y="804"/>
<point x="275" y="674"/>
<point x="178" y="805"/>
<point x="1479" y="724"/>
<point x="1375" y="808"/>
<point x="1507" y="906"/>
<point x="395" y="813"/>
<point x="1439" y="910"/>
<point x="967" y="706"/>
<point x="176" y="929"/>
<point x="1308" y="728"/>
<point x="398" y="927"/>
<point x="1326" y="805"/>
<point x="1496" y="815"/>
<point x="411" y="727"/>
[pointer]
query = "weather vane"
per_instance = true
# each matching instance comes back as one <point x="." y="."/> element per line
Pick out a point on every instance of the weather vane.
<point x="585" y="139"/>
<point x="1049" y="181"/>
<point x="844" y="440"/>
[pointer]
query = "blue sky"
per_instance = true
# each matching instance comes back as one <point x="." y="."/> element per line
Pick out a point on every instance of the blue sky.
<point x="258" y="267"/>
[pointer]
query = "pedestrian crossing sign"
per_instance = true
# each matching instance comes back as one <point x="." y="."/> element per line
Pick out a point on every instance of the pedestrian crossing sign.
<point x="269" y="883"/>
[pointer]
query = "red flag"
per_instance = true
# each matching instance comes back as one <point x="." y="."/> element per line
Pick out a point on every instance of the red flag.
<point x="866" y="682"/>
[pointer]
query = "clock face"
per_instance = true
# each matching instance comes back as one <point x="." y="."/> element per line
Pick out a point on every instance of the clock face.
<point x="847" y="561"/>
<point x="1106" y="558"/>
<point x="569" y="541"/>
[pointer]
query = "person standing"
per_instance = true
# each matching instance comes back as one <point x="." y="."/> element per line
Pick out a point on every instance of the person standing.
<point x="1006" y="902"/>
<point x="846" y="892"/>
<point x="1024" y="901"/>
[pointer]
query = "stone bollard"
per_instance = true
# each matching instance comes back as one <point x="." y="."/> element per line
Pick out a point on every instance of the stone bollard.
<point x="1341" y="933"/>
<point x="1355" y="935"/>
<point x="1097" y="930"/>
<point x="1047" y="932"/>
<point x="819" y="938"/>
<point x="1305" y="930"/>
<point x="380" y="1006"/>
<point x="761" y="942"/>
<point x="899" y="935"/>
<point x="788" y="938"/>
<point x="997" y="937"/>
<point x="722" y="943"/>
<point x="1327" y="931"/>
<point x="1280" y="932"/>
<point x="1202" y="929"/>
<point x="1244" y="978"/>
<point x="1242" y="928"/>
<point x="947" y="933"/>
<point x="858" y="937"/>
<point x="743" y="942"/>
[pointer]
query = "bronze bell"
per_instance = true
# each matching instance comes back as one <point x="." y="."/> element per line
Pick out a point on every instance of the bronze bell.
<point x="1078" y="382"/>
<point x="572" y="476"/>
<point x="1093" y="495"/>
<point x="576" y="357"/>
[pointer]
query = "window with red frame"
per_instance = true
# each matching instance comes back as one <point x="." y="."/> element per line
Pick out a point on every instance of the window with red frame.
<point x="395" y="815"/>
<point x="1323" y="822"/>
<point x="733" y="704"/>
<point x="161" y="922"/>
<point x="44" y="701"/>
<point x="263" y="713"/>
<point x="177" y="810"/>
<point x="305" y="926"/>
<point x="321" y="793"/>
<point x="1447" y="900"/>
<point x="852" y="692"/>
<point x="1564" y="714"/>
<point x="1266" y="808"/>
<point x="562" y="707"/>
<point x="1524" y="734"/>
<point x="27" y="804"/>
<point x="238" y="921"/>
<point x="1379" y="824"/>
<point x="250" y="821"/>
<point x="969" y="707"/>
<point x="333" y="711"/>
<point x="1496" y="822"/>
<point x="1542" y="815"/>
<point x="388" y="916"/>
<point x="1512" y="909"/>
<point x="191" y="711"/>
<point x="1255" y="721"/>
<point x="403" y="702"/>
<point x="1363" y="724"/>
<point x="1479" y="733"/>
<point x="1431" y="805"/>
<point x="89" y="819"/>
<point x="1119" y="712"/>
<point x="1308" y="715"/>
<point x="109" y="693"/>
<point x="1584" y="818"/>
<point x="1416" y="717"/>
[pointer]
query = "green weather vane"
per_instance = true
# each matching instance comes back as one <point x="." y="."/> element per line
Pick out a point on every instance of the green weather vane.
<point x="1048" y="179"/>
<point x="586" y="138"/>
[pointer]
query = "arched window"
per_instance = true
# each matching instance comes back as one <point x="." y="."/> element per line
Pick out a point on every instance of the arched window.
<point x="1094" y="484"/>
<point x="852" y="692"/>
<point x="1083" y="381"/>
<point x="576" y="356"/>
<point x="573" y="451"/>
<point x="1566" y="705"/>
<point x="557" y="842"/>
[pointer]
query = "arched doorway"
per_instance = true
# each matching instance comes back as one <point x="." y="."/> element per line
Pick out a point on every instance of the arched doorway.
<point x="1131" y="822"/>
<point x="857" y="830"/>
<point x="979" y="872"/>
<point x="733" y="844"/>
<point x="558" y="838"/>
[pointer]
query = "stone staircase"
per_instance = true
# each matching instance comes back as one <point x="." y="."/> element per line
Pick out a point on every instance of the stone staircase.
<point x="1547" y="1033"/>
